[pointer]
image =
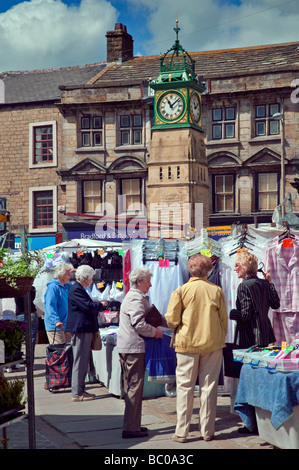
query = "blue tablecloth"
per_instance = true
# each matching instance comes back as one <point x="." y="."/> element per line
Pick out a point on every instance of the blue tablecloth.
<point x="160" y="359"/>
<point x="277" y="392"/>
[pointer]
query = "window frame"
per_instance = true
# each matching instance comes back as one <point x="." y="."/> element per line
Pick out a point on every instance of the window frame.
<point x="32" y="160"/>
<point x="89" y="129"/>
<point x="93" y="196"/>
<point x="32" y="194"/>
<point x="266" y="119"/>
<point x="267" y="191"/>
<point x="222" y="122"/>
<point x="131" y="132"/>
<point x="214" y="199"/>
<point x="124" y="209"/>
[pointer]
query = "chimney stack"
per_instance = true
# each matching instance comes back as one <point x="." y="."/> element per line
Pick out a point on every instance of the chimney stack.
<point x="119" y="44"/>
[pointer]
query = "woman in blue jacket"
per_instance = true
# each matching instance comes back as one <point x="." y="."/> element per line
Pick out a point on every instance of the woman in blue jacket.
<point x="56" y="304"/>
<point x="82" y="322"/>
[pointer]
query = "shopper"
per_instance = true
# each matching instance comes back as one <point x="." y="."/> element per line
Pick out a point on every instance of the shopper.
<point x="254" y="298"/>
<point x="82" y="322"/>
<point x="197" y="311"/>
<point x="131" y="349"/>
<point x="56" y="304"/>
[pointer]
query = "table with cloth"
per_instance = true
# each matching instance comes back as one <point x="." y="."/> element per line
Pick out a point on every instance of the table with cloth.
<point x="160" y="362"/>
<point x="277" y="392"/>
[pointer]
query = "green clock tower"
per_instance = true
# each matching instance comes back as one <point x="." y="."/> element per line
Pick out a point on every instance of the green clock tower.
<point x="177" y="166"/>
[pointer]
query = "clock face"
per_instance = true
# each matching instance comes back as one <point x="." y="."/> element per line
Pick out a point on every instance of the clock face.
<point x="195" y="107"/>
<point x="171" y="106"/>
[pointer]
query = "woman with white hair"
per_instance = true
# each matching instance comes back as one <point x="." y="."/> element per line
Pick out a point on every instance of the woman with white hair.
<point x="131" y="349"/>
<point x="82" y="322"/>
<point x="56" y="304"/>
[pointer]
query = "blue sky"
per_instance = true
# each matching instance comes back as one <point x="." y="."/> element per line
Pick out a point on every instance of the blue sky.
<point x="37" y="34"/>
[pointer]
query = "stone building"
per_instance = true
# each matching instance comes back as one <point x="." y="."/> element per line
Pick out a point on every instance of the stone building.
<point x="74" y="138"/>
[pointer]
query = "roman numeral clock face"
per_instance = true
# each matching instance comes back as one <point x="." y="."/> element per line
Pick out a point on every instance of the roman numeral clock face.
<point x="171" y="106"/>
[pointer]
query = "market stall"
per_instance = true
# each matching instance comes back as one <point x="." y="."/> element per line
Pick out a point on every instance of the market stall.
<point x="269" y="399"/>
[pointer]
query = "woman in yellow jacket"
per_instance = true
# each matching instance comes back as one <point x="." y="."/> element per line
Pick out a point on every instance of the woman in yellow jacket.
<point x="197" y="311"/>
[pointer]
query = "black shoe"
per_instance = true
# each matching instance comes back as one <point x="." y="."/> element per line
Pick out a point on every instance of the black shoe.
<point x="245" y="430"/>
<point x="143" y="429"/>
<point x="133" y="434"/>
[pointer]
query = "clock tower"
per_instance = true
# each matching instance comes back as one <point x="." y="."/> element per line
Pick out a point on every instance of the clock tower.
<point x="177" y="166"/>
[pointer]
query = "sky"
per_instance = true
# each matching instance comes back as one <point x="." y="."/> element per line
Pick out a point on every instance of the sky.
<point x="43" y="34"/>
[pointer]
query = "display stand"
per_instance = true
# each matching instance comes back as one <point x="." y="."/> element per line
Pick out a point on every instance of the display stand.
<point x="30" y="384"/>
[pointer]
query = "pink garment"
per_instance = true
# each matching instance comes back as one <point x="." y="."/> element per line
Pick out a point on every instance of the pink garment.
<point x="286" y="327"/>
<point x="126" y="271"/>
<point x="283" y="265"/>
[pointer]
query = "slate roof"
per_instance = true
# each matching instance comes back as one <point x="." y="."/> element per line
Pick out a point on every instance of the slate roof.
<point x="213" y="64"/>
<point x="41" y="85"/>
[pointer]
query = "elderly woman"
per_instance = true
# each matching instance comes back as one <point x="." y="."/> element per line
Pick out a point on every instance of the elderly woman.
<point x="82" y="322"/>
<point x="254" y="298"/>
<point x="131" y="349"/>
<point x="197" y="311"/>
<point x="56" y="304"/>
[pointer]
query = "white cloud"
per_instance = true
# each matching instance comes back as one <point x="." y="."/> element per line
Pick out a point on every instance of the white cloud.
<point x="39" y="34"/>
<point x="219" y="24"/>
<point x="45" y="33"/>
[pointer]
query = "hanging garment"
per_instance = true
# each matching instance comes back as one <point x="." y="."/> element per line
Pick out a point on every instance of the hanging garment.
<point x="283" y="265"/>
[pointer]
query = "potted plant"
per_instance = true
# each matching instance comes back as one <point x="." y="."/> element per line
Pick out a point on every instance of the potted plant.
<point x="12" y="334"/>
<point x="11" y="396"/>
<point x="17" y="271"/>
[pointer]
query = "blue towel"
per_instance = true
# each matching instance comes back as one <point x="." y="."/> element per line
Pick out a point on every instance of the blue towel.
<point x="277" y="392"/>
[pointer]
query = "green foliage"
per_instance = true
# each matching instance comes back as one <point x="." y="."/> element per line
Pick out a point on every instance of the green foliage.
<point x="11" y="394"/>
<point x="13" y="334"/>
<point x="25" y="263"/>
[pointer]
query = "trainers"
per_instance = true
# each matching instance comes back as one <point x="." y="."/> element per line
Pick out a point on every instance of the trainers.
<point x="82" y="398"/>
<point x="179" y="439"/>
<point x="208" y="438"/>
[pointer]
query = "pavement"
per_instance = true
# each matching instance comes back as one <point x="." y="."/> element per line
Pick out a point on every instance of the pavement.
<point x="97" y="424"/>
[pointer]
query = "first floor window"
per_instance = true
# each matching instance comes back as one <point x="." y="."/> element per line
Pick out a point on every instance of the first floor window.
<point x="223" y="123"/>
<point x="43" y="209"/>
<point x="224" y="193"/>
<point x="267" y="191"/>
<point x="42" y="144"/>
<point x="265" y="124"/>
<point x="92" y="195"/>
<point x="91" y="131"/>
<point x="131" y="129"/>
<point x="131" y="190"/>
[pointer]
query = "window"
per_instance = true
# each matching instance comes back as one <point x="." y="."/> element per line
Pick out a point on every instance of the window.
<point x="131" y="129"/>
<point x="92" y="196"/>
<point x="43" y="209"/>
<point x="267" y="191"/>
<point x="264" y="122"/>
<point x="224" y="193"/>
<point x="91" y="131"/>
<point x="42" y="144"/>
<point x="131" y="189"/>
<point x="223" y="123"/>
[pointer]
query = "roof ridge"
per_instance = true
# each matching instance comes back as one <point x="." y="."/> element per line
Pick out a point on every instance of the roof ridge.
<point x="54" y="69"/>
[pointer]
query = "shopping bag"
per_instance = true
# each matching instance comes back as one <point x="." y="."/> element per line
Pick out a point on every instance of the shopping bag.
<point x="59" y="364"/>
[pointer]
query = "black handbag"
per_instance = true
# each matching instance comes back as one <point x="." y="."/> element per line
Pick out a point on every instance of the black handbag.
<point x="153" y="317"/>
